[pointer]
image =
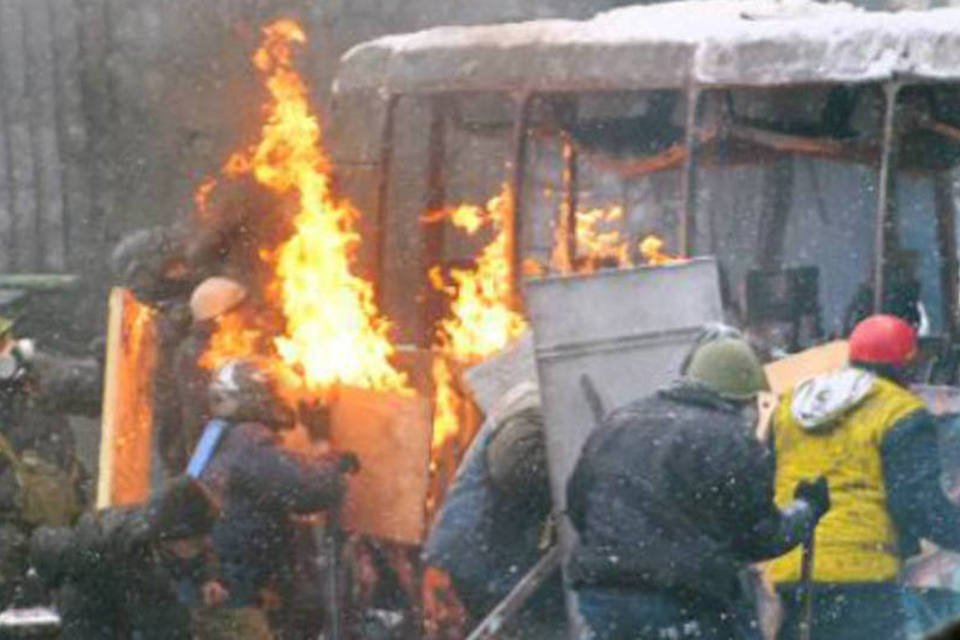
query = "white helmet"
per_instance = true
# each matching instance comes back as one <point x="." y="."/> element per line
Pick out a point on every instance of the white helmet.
<point x="216" y="296"/>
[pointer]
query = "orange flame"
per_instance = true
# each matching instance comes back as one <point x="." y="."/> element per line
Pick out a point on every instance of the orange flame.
<point x="599" y="242"/>
<point x="334" y="331"/>
<point x="651" y="248"/>
<point x="232" y="338"/>
<point x="480" y="321"/>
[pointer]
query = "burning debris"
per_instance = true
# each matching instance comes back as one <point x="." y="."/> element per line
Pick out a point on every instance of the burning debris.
<point x="651" y="248"/>
<point x="480" y="321"/>
<point x="333" y="332"/>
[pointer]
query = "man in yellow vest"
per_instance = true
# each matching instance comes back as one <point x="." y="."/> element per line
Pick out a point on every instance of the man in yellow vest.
<point x="876" y="444"/>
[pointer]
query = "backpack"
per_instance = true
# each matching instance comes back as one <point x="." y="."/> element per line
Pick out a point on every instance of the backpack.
<point x="47" y="494"/>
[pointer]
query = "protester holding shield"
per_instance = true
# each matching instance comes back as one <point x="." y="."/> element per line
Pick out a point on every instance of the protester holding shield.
<point x="876" y="444"/>
<point x="672" y="498"/>
<point x="260" y="486"/>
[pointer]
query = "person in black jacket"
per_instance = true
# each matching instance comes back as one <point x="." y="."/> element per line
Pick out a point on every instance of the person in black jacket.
<point x="260" y="486"/>
<point x="672" y="498"/>
<point x="118" y="570"/>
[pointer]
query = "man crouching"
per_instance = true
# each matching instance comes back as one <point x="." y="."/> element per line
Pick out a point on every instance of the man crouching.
<point x="118" y="569"/>
<point x="672" y="497"/>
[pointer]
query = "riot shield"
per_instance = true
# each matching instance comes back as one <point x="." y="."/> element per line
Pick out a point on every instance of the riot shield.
<point x="490" y="380"/>
<point x="617" y="334"/>
<point x="625" y="331"/>
<point x="391" y="435"/>
<point x="786" y="373"/>
<point x="126" y="434"/>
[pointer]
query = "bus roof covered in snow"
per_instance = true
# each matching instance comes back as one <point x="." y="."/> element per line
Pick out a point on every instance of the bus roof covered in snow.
<point x="715" y="43"/>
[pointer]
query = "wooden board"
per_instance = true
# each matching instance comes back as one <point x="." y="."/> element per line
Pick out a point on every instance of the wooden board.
<point x="787" y="373"/>
<point x="125" y="440"/>
<point x="391" y="434"/>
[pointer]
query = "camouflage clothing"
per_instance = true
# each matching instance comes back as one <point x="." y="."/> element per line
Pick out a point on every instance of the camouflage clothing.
<point x="224" y="623"/>
<point x="115" y="580"/>
<point x="33" y="420"/>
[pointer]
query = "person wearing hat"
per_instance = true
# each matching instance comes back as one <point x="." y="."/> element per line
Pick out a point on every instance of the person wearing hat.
<point x="118" y="570"/>
<point x="41" y="479"/>
<point x="672" y="498"/>
<point x="211" y="301"/>
<point x="876" y="444"/>
<point x="262" y="486"/>
<point x="152" y="263"/>
<point x="490" y="530"/>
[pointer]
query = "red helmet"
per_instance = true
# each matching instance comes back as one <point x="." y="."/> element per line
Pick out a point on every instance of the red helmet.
<point x="883" y="339"/>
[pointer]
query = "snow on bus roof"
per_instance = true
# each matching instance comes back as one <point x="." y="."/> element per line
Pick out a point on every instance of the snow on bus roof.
<point x="715" y="43"/>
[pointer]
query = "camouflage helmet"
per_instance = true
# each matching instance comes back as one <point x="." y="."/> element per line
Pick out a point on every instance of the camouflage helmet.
<point x="142" y="260"/>
<point x="255" y="389"/>
<point x="729" y="368"/>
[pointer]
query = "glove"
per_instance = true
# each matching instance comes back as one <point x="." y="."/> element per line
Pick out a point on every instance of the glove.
<point x="816" y="494"/>
<point x="349" y="462"/>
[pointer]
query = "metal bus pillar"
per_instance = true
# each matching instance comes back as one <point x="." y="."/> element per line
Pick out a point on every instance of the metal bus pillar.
<point x="384" y="169"/>
<point x="687" y="235"/>
<point x="433" y="238"/>
<point x="888" y="154"/>
<point x="514" y="225"/>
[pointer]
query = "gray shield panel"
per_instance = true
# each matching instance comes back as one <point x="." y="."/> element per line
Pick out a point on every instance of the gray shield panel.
<point x="626" y="330"/>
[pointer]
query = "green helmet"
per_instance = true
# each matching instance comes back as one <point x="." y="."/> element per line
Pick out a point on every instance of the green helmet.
<point x="729" y="368"/>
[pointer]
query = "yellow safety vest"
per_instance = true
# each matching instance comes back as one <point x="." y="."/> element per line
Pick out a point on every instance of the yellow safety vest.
<point x="857" y="540"/>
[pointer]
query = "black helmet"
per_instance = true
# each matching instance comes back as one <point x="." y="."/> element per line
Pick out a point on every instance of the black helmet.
<point x="255" y="389"/>
<point x="183" y="509"/>
<point x="151" y="262"/>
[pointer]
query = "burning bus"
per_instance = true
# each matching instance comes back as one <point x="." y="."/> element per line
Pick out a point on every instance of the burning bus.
<point x="790" y="164"/>
<point x="808" y="148"/>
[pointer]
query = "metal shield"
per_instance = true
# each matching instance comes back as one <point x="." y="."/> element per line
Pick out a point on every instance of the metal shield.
<point x="626" y="331"/>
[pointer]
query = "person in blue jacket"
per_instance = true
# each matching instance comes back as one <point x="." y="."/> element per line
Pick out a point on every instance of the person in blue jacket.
<point x="260" y="486"/>
<point x="488" y="534"/>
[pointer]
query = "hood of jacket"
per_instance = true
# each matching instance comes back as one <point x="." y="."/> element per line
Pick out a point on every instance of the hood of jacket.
<point x="818" y="403"/>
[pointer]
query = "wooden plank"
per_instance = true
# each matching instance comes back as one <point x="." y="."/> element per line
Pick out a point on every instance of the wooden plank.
<point x="391" y="435"/>
<point x="43" y="126"/>
<point x="125" y="440"/>
<point x="787" y="373"/>
<point x="13" y="78"/>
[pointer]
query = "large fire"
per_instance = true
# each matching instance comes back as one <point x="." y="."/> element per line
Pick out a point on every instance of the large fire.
<point x="480" y="321"/>
<point x="334" y="332"/>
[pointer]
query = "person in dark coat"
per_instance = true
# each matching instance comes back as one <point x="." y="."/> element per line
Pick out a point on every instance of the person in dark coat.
<point x="672" y="498"/>
<point x="489" y="532"/>
<point x="37" y="391"/>
<point x="118" y="569"/>
<point x="152" y="263"/>
<point x="212" y="301"/>
<point x="260" y="486"/>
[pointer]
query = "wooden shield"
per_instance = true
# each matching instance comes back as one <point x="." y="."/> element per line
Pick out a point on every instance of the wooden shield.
<point x="391" y="435"/>
<point x="790" y="371"/>
<point x="125" y="440"/>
